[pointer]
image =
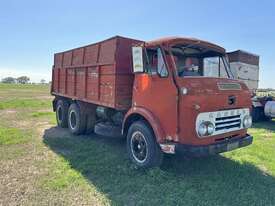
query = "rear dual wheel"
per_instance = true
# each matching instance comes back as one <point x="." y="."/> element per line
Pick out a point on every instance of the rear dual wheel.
<point x="71" y="116"/>
<point x="76" y="120"/>
<point x="62" y="113"/>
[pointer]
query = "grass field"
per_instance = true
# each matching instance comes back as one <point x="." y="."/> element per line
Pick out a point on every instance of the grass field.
<point x="41" y="164"/>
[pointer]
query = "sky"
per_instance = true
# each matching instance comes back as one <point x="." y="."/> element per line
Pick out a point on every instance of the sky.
<point x="32" y="31"/>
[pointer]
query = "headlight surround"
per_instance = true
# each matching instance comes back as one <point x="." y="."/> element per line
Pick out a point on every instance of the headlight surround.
<point x="206" y="128"/>
<point x="247" y="121"/>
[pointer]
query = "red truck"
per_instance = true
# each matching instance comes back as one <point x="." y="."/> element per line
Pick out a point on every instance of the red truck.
<point x="172" y="95"/>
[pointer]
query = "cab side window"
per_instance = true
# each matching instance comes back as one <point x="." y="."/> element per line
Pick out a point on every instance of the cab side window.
<point x="162" y="70"/>
<point x="155" y="63"/>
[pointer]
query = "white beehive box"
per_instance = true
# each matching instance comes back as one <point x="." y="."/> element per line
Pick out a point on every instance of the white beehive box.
<point x="245" y="67"/>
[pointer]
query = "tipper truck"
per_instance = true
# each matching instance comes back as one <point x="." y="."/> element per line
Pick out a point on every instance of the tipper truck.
<point x="171" y="95"/>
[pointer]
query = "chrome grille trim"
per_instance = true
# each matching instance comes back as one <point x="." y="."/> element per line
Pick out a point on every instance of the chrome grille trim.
<point x="228" y="122"/>
<point x="224" y="121"/>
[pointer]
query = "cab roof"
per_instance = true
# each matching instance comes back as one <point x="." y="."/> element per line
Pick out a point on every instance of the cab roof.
<point x="185" y="40"/>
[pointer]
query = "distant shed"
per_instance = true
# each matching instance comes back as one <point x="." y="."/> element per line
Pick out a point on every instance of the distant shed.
<point x="245" y="67"/>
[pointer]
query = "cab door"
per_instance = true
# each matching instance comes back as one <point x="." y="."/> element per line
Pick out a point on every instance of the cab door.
<point x="155" y="91"/>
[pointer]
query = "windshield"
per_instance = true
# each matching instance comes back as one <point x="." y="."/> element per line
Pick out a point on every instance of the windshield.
<point x="197" y="61"/>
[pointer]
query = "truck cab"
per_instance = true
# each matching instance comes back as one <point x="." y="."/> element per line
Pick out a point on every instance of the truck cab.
<point x="185" y="90"/>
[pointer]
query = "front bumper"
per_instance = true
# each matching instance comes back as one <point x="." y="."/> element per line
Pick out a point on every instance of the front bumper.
<point x="216" y="148"/>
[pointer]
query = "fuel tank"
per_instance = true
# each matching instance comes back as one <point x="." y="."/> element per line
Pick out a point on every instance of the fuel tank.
<point x="269" y="109"/>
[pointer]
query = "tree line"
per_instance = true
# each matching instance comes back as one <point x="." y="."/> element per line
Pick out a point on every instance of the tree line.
<point x="19" y="80"/>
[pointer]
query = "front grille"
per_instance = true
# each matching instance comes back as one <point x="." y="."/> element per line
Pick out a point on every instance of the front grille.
<point x="224" y="120"/>
<point x="228" y="122"/>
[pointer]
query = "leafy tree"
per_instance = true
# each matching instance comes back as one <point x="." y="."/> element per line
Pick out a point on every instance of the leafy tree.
<point x="42" y="81"/>
<point x="23" y="79"/>
<point x="8" y="80"/>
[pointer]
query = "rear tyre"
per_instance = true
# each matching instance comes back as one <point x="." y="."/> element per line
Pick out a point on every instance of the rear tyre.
<point x="76" y="120"/>
<point x="142" y="147"/>
<point x="61" y="112"/>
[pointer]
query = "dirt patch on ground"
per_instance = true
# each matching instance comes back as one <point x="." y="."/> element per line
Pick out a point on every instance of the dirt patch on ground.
<point x="42" y="126"/>
<point x="45" y="97"/>
<point x="19" y="176"/>
<point x="15" y="118"/>
<point x="10" y="111"/>
<point x="7" y="111"/>
<point x="22" y="124"/>
<point x="17" y="180"/>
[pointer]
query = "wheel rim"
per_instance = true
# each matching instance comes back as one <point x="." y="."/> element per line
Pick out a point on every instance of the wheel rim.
<point x="72" y="119"/>
<point x="139" y="147"/>
<point x="59" y="114"/>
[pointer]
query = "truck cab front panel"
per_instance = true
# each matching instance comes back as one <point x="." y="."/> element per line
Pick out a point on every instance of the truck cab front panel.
<point x="204" y="100"/>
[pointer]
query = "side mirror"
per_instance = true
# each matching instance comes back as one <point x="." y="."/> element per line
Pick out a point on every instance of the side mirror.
<point x="137" y="59"/>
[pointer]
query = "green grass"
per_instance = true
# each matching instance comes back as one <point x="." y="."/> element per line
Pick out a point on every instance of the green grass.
<point x="31" y="87"/>
<point x="17" y="103"/>
<point x="10" y="153"/>
<point x="49" y="116"/>
<point x="41" y="114"/>
<point x="10" y="136"/>
<point x="27" y="96"/>
<point x="93" y="170"/>
<point x="62" y="176"/>
<point x="242" y="177"/>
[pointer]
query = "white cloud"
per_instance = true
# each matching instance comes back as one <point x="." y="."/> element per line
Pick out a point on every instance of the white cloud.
<point x="34" y="76"/>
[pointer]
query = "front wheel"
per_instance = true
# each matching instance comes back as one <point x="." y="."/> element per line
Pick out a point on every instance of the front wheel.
<point x="142" y="147"/>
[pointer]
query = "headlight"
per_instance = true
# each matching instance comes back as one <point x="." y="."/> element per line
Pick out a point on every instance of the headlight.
<point x="247" y="121"/>
<point x="206" y="128"/>
<point x="210" y="128"/>
<point x="202" y="129"/>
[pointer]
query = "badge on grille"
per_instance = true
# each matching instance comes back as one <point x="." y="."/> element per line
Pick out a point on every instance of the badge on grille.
<point x="231" y="100"/>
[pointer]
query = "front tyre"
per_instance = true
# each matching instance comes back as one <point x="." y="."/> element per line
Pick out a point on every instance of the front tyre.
<point x="142" y="147"/>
